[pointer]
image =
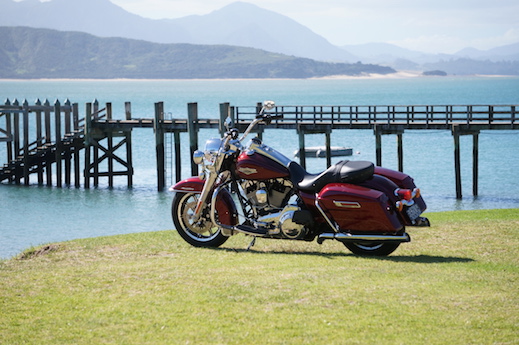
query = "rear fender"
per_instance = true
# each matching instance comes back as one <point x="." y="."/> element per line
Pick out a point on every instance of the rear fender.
<point x="225" y="206"/>
<point x="402" y="181"/>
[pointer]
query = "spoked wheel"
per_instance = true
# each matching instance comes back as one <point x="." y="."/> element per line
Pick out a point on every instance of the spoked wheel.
<point x="200" y="234"/>
<point x="372" y="248"/>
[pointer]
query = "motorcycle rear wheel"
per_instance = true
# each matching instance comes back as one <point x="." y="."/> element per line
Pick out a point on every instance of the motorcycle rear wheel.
<point x="372" y="248"/>
<point x="200" y="234"/>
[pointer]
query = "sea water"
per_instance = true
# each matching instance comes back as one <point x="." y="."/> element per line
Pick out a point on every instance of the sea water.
<point x="36" y="215"/>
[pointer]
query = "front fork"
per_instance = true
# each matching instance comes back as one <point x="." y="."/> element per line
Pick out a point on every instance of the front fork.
<point x="206" y="190"/>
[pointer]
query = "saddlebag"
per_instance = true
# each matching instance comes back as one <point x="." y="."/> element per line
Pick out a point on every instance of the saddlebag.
<point x="355" y="208"/>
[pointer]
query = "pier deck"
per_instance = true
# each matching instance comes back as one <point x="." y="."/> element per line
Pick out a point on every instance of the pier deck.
<point x="42" y="135"/>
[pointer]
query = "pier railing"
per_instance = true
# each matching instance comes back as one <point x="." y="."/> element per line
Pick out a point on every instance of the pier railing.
<point x="41" y="136"/>
<point x="405" y="116"/>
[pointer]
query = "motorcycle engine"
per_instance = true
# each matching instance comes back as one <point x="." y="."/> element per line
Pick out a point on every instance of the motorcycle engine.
<point x="268" y="195"/>
<point x="270" y="199"/>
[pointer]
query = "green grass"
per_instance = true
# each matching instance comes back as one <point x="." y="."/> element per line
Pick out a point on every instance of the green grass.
<point x="455" y="283"/>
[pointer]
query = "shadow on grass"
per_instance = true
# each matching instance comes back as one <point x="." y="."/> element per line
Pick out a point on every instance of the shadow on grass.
<point x="422" y="259"/>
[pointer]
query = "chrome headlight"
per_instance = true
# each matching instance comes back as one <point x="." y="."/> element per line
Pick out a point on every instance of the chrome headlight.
<point x="198" y="157"/>
<point x="213" y="145"/>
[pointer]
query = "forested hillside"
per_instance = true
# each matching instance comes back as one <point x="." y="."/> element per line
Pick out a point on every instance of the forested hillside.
<point x="43" y="53"/>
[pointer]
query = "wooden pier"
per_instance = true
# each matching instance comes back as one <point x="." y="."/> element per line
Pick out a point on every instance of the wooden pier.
<point x="43" y="136"/>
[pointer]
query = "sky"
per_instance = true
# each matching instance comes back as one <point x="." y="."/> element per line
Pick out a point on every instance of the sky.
<point x="432" y="26"/>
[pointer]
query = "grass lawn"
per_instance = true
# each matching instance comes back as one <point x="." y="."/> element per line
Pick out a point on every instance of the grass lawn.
<point x="455" y="283"/>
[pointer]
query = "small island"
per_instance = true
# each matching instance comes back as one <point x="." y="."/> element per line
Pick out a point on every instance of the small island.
<point x="435" y="73"/>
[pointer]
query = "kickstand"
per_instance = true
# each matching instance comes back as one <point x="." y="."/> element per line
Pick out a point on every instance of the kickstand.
<point x="252" y="243"/>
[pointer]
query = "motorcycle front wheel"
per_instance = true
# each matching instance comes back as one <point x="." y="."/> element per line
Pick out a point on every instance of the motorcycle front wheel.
<point x="372" y="248"/>
<point x="199" y="234"/>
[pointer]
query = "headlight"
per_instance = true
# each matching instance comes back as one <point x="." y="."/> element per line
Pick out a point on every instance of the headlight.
<point x="198" y="157"/>
<point x="213" y="145"/>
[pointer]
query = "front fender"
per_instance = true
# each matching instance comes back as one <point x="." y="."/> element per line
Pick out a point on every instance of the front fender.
<point x="192" y="184"/>
<point x="225" y="206"/>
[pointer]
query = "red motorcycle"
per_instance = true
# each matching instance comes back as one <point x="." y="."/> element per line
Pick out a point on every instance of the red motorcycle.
<point x="365" y="207"/>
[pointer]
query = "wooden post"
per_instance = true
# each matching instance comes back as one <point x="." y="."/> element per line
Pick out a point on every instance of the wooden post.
<point x="178" y="158"/>
<point x="378" y="145"/>
<point x="302" y="153"/>
<point x="475" y="163"/>
<point x="16" y="139"/>
<point x="457" y="161"/>
<point x="9" y="130"/>
<point x="128" y="135"/>
<point x="159" y="146"/>
<point x="192" y="128"/>
<point x="26" y="143"/>
<point x="95" y="109"/>
<point x="68" y="154"/>
<point x="88" y="140"/>
<point x="110" y="144"/>
<point x="48" y="165"/>
<point x="400" y="147"/>
<point x="224" y="113"/>
<point x="59" y="144"/>
<point x="77" y="145"/>
<point x="39" y="138"/>
<point x="328" y="149"/>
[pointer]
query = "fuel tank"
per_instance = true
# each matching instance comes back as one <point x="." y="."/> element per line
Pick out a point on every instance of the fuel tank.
<point x="261" y="162"/>
<point x="258" y="167"/>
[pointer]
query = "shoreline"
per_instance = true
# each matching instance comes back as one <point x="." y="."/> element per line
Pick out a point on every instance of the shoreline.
<point x="367" y="76"/>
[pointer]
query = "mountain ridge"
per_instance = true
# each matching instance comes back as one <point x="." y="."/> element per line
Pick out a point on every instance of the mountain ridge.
<point x="46" y="53"/>
<point x="247" y="25"/>
<point x="224" y="26"/>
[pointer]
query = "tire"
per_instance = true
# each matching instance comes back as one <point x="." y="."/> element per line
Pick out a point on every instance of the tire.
<point x="201" y="234"/>
<point x="372" y="248"/>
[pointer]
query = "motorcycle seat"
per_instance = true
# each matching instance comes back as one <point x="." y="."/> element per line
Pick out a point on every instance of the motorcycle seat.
<point x="342" y="172"/>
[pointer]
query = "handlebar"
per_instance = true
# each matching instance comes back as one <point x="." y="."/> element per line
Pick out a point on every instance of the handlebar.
<point x="262" y="117"/>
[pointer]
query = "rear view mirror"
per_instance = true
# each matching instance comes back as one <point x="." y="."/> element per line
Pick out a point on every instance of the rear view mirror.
<point x="269" y="105"/>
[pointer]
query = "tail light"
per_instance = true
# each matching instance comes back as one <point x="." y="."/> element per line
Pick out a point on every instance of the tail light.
<point x="405" y="194"/>
<point x="406" y="197"/>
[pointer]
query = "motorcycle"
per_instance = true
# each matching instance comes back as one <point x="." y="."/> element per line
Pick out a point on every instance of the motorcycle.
<point x="365" y="207"/>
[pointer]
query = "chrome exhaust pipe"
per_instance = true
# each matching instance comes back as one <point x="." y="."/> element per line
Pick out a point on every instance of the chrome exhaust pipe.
<point x="346" y="237"/>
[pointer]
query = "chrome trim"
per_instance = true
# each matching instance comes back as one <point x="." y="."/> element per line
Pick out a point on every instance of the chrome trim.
<point x="247" y="171"/>
<point x="332" y="225"/>
<point x="347" y="204"/>
<point x="346" y="237"/>
<point x="271" y="153"/>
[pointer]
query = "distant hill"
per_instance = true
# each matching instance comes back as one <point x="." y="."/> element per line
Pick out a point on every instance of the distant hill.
<point x="504" y="53"/>
<point x="43" y="53"/>
<point x="498" y="61"/>
<point x="240" y="24"/>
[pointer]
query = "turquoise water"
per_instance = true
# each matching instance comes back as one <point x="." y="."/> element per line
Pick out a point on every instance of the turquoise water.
<point x="35" y="215"/>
